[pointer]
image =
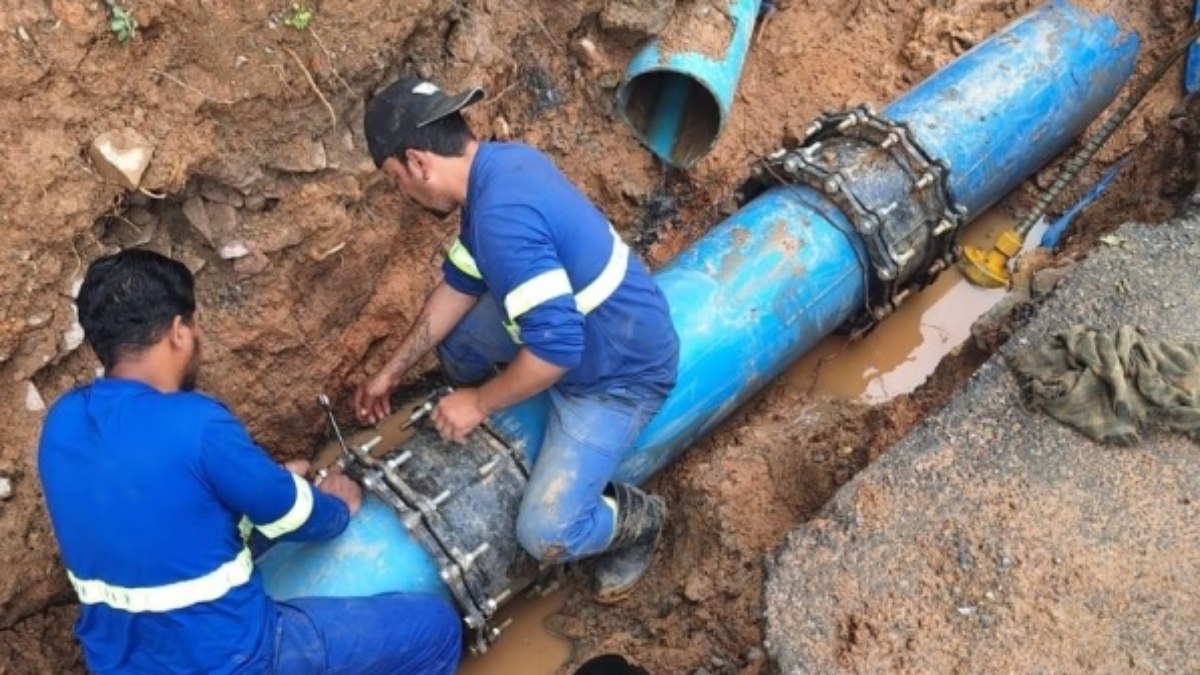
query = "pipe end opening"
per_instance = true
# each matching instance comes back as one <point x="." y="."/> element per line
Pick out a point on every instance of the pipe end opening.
<point x="673" y="114"/>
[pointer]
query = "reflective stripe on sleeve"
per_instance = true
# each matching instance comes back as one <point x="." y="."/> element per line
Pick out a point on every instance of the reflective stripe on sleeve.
<point x="603" y="286"/>
<point x="167" y="597"/>
<point x="461" y="258"/>
<point x="296" y="516"/>
<point x="539" y="289"/>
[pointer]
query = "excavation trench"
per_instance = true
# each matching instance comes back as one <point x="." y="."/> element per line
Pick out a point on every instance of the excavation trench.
<point x="336" y="263"/>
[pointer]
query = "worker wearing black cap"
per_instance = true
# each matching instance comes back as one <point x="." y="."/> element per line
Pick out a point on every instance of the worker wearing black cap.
<point x="539" y="294"/>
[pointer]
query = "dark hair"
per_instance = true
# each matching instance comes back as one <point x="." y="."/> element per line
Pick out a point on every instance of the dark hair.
<point x="447" y="137"/>
<point x="128" y="300"/>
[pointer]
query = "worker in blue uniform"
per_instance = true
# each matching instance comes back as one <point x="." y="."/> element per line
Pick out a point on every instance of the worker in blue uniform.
<point x="154" y="492"/>
<point x="539" y="293"/>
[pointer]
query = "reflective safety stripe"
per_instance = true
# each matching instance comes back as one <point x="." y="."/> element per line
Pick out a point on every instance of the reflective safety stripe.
<point x="461" y="258"/>
<point x="167" y="597"/>
<point x="543" y="287"/>
<point x="244" y="528"/>
<point x="552" y="284"/>
<point x="296" y="516"/>
<point x="602" y="287"/>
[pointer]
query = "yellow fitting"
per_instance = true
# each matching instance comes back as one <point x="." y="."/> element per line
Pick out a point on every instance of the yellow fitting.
<point x="989" y="269"/>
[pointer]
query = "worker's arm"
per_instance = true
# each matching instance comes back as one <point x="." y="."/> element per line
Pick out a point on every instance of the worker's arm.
<point x="442" y="311"/>
<point x="281" y="505"/>
<point x="459" y="413"/>
<point x="520" y="261"/>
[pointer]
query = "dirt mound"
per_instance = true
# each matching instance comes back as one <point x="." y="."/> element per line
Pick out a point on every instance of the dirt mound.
<point x="307" y="261"/>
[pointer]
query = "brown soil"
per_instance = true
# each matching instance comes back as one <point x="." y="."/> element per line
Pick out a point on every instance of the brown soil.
<point x="700" y="26"/>
<point x="339" y="262"/>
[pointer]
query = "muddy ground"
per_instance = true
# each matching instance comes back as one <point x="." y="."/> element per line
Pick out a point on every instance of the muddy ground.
<point x="338" y="263"/>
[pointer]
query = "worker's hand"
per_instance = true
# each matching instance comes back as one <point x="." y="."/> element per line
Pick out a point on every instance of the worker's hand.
<point x="457" y="415"/>
<point x="372" y="399"/>
<point x="337" y="484"/>
<point x="299" y="467"/>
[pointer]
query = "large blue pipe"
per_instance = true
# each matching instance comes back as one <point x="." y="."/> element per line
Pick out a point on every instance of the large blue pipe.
<point x="676" y="100"/>
<point x="786" y="270"/>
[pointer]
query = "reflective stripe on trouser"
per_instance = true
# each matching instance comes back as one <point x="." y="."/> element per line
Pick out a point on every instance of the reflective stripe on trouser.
<point x="586" y="439"/>
<point x="167" y="597"/>
<point x="384" y="634"/>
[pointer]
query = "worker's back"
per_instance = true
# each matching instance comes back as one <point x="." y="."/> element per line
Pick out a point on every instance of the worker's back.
<point x="166" y="583"/>
<point x="524" y="223"/>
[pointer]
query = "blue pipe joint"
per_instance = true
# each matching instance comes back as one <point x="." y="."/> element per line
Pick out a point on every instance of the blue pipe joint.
<point x="677" y="101"/>
<point x="1016" y="101"/>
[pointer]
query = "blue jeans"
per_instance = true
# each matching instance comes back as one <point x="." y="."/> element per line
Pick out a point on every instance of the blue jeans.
<point x="563" y="516"/>
<point x="386" y="634"/>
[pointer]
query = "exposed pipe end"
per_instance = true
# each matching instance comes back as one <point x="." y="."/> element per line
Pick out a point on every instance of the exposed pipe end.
<point x="672" y="113"/>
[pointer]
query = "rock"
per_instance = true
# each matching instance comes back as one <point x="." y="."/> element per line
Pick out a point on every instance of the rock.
<point x="33" y="398"/>
<point x="697" y="588"/>
<point x="38" y="319"/>
<point x="755" y="654"/>
<point x="233" y="251"/>
<point x="216" y="222"/>
<point x="73" y="335"/>
<point x="215" y="191"/>
<point x="223" y="219"/>
<point x="197" y="215"/>
<point x="300" y="155"/>
<point x="121" y="156"/>
<point x="637" y="18"/>
<point x="6" y="488"/>
<point x="190" y="260"/>
<point x="142" y="217"/>
<point x="500" y="129"/>
<point x="255" y="202"/>
<point x="251" y="265"/>
<point x="589" y="55"/>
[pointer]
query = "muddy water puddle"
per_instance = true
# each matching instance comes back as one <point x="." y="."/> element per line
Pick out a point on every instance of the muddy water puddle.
<point x="899" y="354"/>
<point x="526" y="647"/>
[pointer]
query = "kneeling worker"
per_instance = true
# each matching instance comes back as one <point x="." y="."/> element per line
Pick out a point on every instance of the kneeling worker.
<point x="559" y="300"/>
<point x="153" y="490"/>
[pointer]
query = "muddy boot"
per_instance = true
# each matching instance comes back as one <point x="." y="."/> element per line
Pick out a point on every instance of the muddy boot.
<point x="640" y="519"/>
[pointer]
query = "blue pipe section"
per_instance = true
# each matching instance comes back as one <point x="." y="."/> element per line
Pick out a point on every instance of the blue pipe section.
<point x="996" y="115"/>
<point x="1191" y="70"/>
<point x="786" y="270"/>
<point x="1016" y="101"/>
<point x="677" y="102"/>
<point x="1058" y="228"/>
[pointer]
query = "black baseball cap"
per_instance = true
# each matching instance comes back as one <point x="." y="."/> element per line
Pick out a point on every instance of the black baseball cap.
<point x="405" y="105"/>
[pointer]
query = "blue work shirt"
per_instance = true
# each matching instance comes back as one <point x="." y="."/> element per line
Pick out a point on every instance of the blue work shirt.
<point x="146" y="492"/>
<point x="539" y="246"/>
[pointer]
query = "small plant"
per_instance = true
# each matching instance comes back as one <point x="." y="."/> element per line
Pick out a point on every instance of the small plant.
<point x="122" y="24"/>
<point x="300" y="17"/>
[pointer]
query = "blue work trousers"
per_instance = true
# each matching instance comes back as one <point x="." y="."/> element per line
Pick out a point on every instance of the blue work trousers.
<point x="409" y="633"/>
<point x="563" y="516"/>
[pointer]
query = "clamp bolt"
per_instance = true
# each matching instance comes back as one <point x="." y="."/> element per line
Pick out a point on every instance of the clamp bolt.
<point x="925" y="181"/>
<point x="831" y="186"/>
